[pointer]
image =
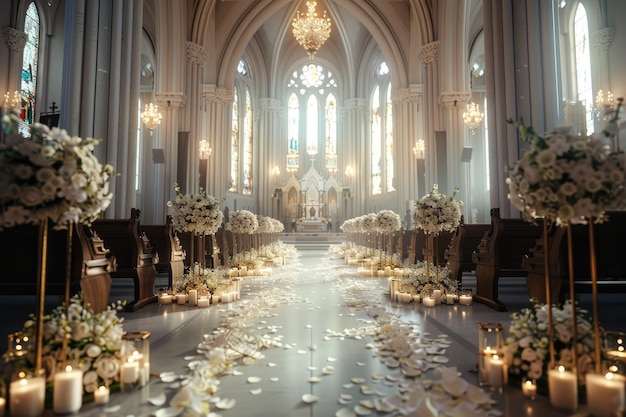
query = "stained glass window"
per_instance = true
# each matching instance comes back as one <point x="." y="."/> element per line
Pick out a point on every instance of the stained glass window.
<point x="247" y="145"/>
<point x="583" y="63"/>
<point x="234" y="145"/>
<point x="29" y="64"/>
<point x="381" y="134"/>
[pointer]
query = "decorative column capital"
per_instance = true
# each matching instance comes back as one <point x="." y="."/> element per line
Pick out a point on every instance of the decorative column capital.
<point x="175" y="100"/>
<point x="14" y="38"/>
<point x="413" y="94"/>
<point x="603" y="38"/>
<point x="355" y="104"/>
<point x="429" y="53"/>
<point x="270" y="104"/>
<point x="195" y="53"/>
<point x="212" y="94"/>
<point x="451" y="99"/>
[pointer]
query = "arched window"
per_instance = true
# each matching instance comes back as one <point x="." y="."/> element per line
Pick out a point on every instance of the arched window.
<point x="381" y="134"/>
<point x="583" y="63"/>
<point x="30" y="61"/>
<point x="241" y="146"/>
<point x="312" y="114"/>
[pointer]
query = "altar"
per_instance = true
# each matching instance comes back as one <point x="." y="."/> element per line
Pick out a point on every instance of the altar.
<point x="311" y="226"/>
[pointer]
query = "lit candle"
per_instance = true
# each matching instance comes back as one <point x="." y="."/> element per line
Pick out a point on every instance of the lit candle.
<point x="483" y="364"/>
<point x="181" y="298"/>
<point x="203" y="302"/>
<point x="129" y="372"/>
<point x="437" y="296"/>
<point x="416" y="298"/>
<point x="3" y="406"/>
<point x="193" y="297"/>
<point x="529" y="388"/>
<point x="101" y="395"/>
<point x="26" y="397"/>
<point x="449" y="298"/>
<point x="387" y="271"/>
<point x="605" y="394"/>
<point x="465" y="300"/>
<point x="165" y="299"/>
<point x="428" y="301"/>
<point x="563" y="388"/>
<point x="67" y="391"/>
<point x="495" y="365"/>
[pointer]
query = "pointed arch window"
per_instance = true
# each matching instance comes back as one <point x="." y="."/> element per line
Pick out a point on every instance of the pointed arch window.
<point x="234" y="144"/>
<point x="248" y="145"/>
<point x="312" y="114"/>
<point x="28" y="87"/>
<point x="583" y="63"/>
<point x="381" y="134"/>
<point x="242" y="139"/>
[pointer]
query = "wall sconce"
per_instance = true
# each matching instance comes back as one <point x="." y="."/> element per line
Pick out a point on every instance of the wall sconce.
<point x="349" y="171"/>
<point x="12" y="101"/>
<point x="275" y="171"/>
<point x="151" y="117"/>
<point x="205" y="149"/>
<point x="419" y="149"/>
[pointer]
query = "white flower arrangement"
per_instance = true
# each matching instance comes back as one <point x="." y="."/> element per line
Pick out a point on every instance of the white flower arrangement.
<point x="565" y="178"/>
<point x="420" y="280"/>
<point x="196" y="213"/>
<point x="387" y="221"/>
<point x="50" y="175"/>
<point x="242" y="221"/>
<point x="94" y="341"/>
<point x="435" y="212"/>
<point x="265" y="224"/>
<point x="204" y="280"/>
<point x="526" y="347"/>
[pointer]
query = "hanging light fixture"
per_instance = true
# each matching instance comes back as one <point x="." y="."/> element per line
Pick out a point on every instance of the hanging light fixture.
<point x="419" y="149"/>
<point x="472" y="116"/>
<point x="604" y="101"/>
<point x="151" y="117"/>
<point x="311" y="31"/>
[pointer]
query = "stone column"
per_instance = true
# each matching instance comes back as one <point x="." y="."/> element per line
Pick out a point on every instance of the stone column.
<point x="195" y="61"/>
<point x="272" y="128"/>
<point x="429" y="56"/>
<point x="15" y="41"/>
<point x="356" y="152"/>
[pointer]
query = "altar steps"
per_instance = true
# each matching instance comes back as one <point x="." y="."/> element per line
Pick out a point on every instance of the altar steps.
<point x="312" y="241"/>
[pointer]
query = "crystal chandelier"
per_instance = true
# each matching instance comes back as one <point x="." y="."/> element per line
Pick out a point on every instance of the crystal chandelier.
<point x="311" y="31"/>
<point x="604" y="101"/>
<point x="419" y="149"/>
<point x="151" y="117"/>
<point x="472" y="116"/>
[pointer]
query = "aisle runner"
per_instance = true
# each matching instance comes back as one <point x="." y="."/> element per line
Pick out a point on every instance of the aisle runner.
<point x="411" y="377"/>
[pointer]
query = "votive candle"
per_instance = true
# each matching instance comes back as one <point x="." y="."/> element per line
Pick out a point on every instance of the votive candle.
<point x="101" y="395"/>
<point x="529" y="388"/>
<point x="465" y="300"/>
<point x="428" y="301"/>
<point x="203" y="302"/>
<point x="449" y="298"/>
<point x="165" y="299"/>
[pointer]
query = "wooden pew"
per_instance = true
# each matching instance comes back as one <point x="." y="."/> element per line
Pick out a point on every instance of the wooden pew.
<point x="464" y="242"/>
<point x="500" y="254"/>
<point x="170" y="252"/>
<point x="89" y="267"/>
<point x="134" y="254"/>
<point x="609" y="239"/>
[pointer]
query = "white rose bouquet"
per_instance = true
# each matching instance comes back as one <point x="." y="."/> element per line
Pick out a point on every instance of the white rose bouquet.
<point x="566" y="178"/>
<point x="243" y="221"/>
<point x="196" y="213"/>
<point x="50" y="175"/>
<point x="387" y="221"/>
<point x="435" y="212"/>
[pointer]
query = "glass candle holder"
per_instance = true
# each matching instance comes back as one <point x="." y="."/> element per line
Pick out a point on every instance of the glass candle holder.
<point x="27" y="394"/>
<point x="466" y="297"/>
<point x="490" y="343"/>
<point x="135" y="352"/>
<point x="615" y="351"/>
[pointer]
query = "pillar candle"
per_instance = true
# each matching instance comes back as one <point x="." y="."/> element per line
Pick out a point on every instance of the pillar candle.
<point x="181" y="298"/>
<point x="27" y="396"/>
<point x="129" y="372"/>
<point x="495" y="365"/>
<point x="465" y="300"/>
<point x="67" y="391"/>
<point x="428" y="301"/>
<point x="437" y="296"/>
<point x="3" y="406"/>
<point x="101" y="395"/>
<point x="387" y="271"/>
<point x="563" y="388"/>
<point x="193" y="297"/>
<point x="203" y="302"/>
<point x="416" y="298"/>
<point x="449" y="298"/>
<point x="605" y="394"/>
<point x="165" y="299"/>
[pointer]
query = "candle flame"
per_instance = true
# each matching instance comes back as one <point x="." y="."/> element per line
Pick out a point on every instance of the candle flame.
<point x="561" y="368"/>
<point x="68" y="368"/>
<point x="529" y="383"/>
<point x="609" y="375"/>
<point x="495" y="357"/>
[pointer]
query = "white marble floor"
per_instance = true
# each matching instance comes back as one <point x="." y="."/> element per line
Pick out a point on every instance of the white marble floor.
<point x="304" y="302"/>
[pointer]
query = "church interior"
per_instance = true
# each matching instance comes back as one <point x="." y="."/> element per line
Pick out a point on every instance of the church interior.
<point x="313" y="114"/>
